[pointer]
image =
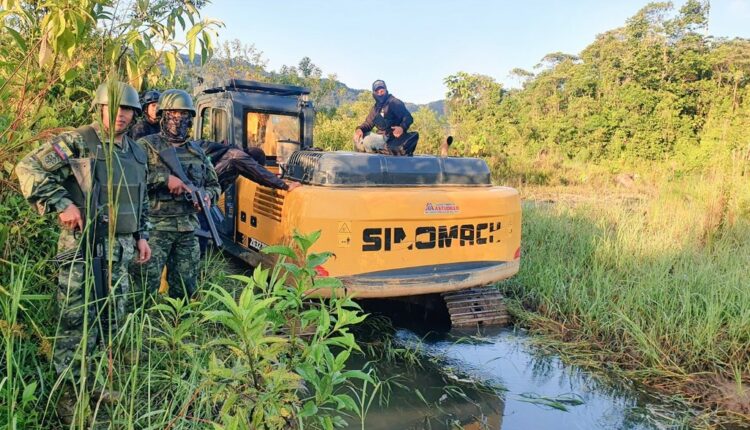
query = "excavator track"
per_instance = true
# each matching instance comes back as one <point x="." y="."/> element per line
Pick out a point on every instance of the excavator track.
<point x="476" y="306"/>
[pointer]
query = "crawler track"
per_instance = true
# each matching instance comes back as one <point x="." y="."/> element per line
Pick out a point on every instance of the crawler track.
<point x="476" y="306"/>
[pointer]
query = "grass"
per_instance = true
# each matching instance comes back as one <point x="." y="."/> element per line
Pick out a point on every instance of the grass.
<point x="227" y="360"/>
<point x="655" y="282"/>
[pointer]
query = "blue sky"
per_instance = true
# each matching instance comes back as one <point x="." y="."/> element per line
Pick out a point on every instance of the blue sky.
<point x="415" y="44"/>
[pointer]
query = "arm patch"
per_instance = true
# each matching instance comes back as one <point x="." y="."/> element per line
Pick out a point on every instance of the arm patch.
<point x="51" y="157"/>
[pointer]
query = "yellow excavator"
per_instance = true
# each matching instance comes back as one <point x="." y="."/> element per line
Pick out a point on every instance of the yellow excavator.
<point x="399" y="227"/>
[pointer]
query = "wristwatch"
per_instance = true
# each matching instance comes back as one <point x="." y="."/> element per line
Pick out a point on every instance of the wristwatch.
<point x="141" y="235"/>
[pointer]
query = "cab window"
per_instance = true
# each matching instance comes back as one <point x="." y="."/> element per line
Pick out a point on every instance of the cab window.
<point x="214" y="124"/>
<point x="264" y="130"/>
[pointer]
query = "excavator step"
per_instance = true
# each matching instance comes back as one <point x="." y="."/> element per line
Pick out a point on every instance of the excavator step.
<point x="476" y="306"/>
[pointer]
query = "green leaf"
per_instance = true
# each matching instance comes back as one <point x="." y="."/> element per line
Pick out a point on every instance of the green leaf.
<point x="327" y="283"/>
<point x="344" y="401"/>
<point x="421" y="397"/>
<point x="306" y="241"/>
<point x="17" y="37"/>
<point x="294" y="270"/>
<point x="345" y="341"/>
<point x="307" y="372"/>
<point x="28" y="393"/>
<point x="358" y="374"/>
<point x="69" y="75"/>
<point x="309" y="409"/>
<point x="317" y="259"/>
<point x="242" y="278"/>
<point x="279" y="249"/>
<point x="324" y="322"/>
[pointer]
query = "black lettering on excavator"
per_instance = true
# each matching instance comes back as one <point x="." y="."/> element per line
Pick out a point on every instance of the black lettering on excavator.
<point x="483" y="226"/>
<point x="430" y="237"/>
<point x="494" y="226"/>
<point x="467" y="234"/>
<point x="375" y="239"/>
<point x="429" y="243"/>
<point x="446" y="235"/>
<point x="371" y="239"/>
<point x="398" y="235"/>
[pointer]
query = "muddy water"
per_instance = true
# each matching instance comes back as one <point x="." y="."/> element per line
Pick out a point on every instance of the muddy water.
<point x="499" y="379"/>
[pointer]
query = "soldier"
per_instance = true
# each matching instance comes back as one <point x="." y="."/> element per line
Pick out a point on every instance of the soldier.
<point x="149" y="124"/>
<point x="69" y="174"/>
<point x="174" y="217"/>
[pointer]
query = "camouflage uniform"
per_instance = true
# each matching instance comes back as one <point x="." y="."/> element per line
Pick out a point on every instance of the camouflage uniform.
<point x="175" y="220"/>
<point x="143" y="128"/>
<point x="47" y="181"/>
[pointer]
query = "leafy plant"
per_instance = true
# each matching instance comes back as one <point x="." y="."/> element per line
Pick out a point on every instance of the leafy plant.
<point x="285" y="357"/>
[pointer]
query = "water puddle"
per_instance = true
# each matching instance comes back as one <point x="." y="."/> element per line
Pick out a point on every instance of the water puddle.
<point x="501" y="380"/>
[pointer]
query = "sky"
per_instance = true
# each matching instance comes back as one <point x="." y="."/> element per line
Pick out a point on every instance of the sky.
<point x="415" y="44"/>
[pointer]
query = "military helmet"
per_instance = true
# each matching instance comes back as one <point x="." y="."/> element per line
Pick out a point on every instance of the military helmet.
<point x="175" y="100"/>
<point x="151" y="96"/>
<point x="128" y="96"/>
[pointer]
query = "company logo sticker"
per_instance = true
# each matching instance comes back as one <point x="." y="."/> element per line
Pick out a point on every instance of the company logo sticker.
<point x="440" y="208"/>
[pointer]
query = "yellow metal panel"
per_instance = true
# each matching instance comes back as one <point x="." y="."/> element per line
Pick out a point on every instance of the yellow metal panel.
<point x="377" y="229"/>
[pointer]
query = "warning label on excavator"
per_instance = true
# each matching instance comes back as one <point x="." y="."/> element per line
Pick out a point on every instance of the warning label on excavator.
<point x="345" y="234"/>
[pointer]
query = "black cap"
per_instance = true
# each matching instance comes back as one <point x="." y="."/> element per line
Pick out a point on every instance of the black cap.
<point x="379" y="84"/>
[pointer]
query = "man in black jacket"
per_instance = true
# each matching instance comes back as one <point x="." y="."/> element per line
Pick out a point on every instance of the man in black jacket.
<point x="392" y="120"/>
<point x="230" y="162"/>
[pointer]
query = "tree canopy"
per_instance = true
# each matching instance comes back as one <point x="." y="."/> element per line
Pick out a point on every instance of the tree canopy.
<point x="658" y="88"/>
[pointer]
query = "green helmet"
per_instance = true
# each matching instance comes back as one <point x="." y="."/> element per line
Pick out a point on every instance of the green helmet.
<point x="128" y="96"/>
<point x="175" y="100"/>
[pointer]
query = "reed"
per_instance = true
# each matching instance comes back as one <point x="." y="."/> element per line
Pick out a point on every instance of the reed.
<point x="657" y="284"/>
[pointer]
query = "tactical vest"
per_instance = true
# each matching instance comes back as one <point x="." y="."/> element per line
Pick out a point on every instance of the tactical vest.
<point x="128" y="180"/>
<point x="193" y="162"/>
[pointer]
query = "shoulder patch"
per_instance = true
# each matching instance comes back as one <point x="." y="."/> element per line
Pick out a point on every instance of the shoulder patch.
<point x="54" y="154"/>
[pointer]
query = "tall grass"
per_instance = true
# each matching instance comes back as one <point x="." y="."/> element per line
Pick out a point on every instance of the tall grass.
<point x="253" y="353"/>
<point x="658" y="284"/>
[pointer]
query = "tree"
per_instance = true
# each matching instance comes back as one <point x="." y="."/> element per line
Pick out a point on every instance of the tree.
<point x="472" y="102"/>
<point x="233" y="60"/>
<point x="54" y="56"/>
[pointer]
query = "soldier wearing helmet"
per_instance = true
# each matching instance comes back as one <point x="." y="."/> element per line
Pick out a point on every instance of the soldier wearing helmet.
<point x="149" y="123"/>
<point x="93" y="163"/>
<point x="174" y="217"/>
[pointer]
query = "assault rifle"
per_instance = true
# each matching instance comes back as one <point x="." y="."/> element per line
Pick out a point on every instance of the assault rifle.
<point x="197" y="195"/>
<point x="94" y="235"/>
